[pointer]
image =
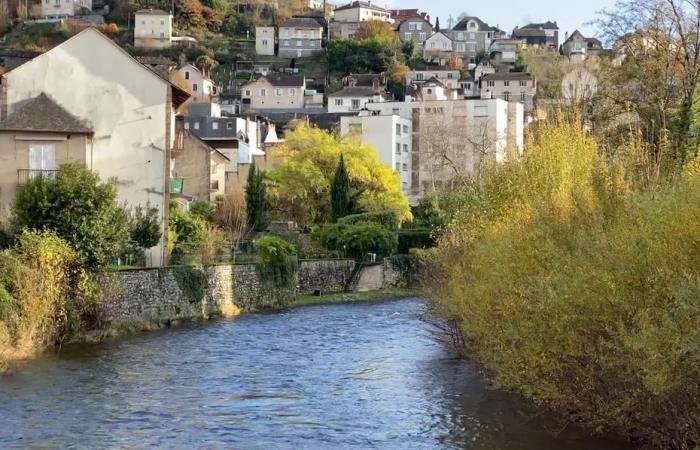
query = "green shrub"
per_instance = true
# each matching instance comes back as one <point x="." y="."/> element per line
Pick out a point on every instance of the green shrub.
<point x="415" y="238"/>
<point x="193" y="281"/>
<point x="79" y="208"/>
<point x="278" y="261"/>
<point x="203" y="210"/>
<point x="144" y="227"/>
<point x="186" y="230"/>
<point x="580" y="292"/>
<point x="386" y="219"/>
<point x="357" y="240"/>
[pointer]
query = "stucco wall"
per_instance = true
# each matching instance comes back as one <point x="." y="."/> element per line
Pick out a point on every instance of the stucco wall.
<point x="126" y="105"/>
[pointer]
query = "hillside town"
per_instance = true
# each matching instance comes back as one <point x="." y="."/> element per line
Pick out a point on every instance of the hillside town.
<point x="184" y="123"/>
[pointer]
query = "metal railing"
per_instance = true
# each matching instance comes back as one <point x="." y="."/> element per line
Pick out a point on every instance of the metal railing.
<point x="24" y="176"/>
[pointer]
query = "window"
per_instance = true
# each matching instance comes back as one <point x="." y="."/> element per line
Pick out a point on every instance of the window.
<point x="395" y="111"/>
<point x="506" y="96"/>
<point x="419" y="76"/>
<point x="187" y="125"/>
<point x="405" y="167"/>
<point x="292" y="92"/>
<point x="412" y="27"/>
<point x="196" y="125"/>
<point x="481" y="111"/>
<point x="355" y="103"/>
<point x="398" y="149"/>
<point x="472" y="36"/>
<point x="449" y="76"/>
<point x="215" y="125"/>
<point x="460" y="36"/>
<point x="490" y="84"/>
<point x="278" y="92"/>
<point x="338" y="102"/>
<point x="264" y="42"/>
<point x="398" y="166"/>
<point x="298" y="43"/>
<point x="246" y="93"/>
<point x="187" y="74"/>
<point x="407" y="36"/>
<point x="522" y="97"/>
<point x="419" y="26"/>
<point x="405" y="148"/>
<point x="229" y="125"/>
<point x="194" y="87"/>
<point x="286" y="43"/>
<point x="263" y="92"/>
<point x="398" y="129"/>
<point x="430" y="91"/>
<point x="42" y="157"/>
<point x="523" y="84"/>
<point x="162" y="35"/>
<point x="421" y="36"/>
<point x="162" y="22"/>
<point x="405" y="129"/>
<point x="506" y="83"/>
<point x="355" y="128"/>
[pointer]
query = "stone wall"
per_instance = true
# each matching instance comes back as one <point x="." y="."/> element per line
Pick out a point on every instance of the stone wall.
<point x="153" y="296"/>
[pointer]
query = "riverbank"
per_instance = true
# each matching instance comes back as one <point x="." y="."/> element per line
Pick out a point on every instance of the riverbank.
<point x="355" y="297"/>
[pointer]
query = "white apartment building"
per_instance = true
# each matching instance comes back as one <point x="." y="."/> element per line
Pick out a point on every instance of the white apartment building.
<point x="359" y="11"/>
<point x="153" y="28"/>
<point x="58" y="9"/>
<point x="392" y="137"/>
<point x="454" y="137"/>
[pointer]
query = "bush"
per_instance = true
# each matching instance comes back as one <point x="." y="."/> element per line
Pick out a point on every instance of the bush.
<point x="186" y="232"/>
<point x="385" y="219"/>
<point x="144" y="227"/>
<point x="193" y="281"/>
<point x="414" y="238"/>
<point x="278" y="261"/>
<point x="45" y="297"/>
<point x="79" y="208"/>
<point x="579" y="292"/>
<point x="357" y="240"/>
<point x="203" y="210"/>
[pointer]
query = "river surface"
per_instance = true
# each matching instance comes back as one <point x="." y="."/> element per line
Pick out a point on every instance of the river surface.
<point x="352" y="376"/>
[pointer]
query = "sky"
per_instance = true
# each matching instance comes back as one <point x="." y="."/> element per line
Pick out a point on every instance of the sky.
<point x="508" y="13"/>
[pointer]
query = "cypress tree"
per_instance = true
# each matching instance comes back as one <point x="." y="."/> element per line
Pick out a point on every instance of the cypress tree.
<point x="341" y="200"/>
<point x="255" y="198"/>
<point x="437" y="24"/>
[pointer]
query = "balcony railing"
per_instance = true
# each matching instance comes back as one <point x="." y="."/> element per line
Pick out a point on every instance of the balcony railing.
<point x="24" y="176"/>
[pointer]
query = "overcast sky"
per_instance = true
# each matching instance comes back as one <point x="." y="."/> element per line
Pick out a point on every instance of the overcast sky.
<point x="509" y="13"/>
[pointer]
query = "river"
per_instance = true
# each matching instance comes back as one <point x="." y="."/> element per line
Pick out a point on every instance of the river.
<point x="351" y="376"/>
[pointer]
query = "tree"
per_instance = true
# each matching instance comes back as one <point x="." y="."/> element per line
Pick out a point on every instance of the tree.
<point x="144" y="227"/>
<point x="397" y="73"/>
<point x="231" y="215"/>
<point x="341" y="199"/>
<point x="255" y="199"/>
<point x="437" y="24"/>
<point x="375" y="29"/>
<point x="204" y="210"/>
<point x="455" y="63"/>
<point x="188" y="15"/>
<point x="658" y="44"/>
<point x="300" y="187"/>
<point x="355" y="56"/>
<point x="79" y="208"/>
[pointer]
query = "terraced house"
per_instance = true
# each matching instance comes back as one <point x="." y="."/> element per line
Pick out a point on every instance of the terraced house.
<point x="415" y="29"/>
<point x="299" y="37"/>
<point x="472" y="37"/>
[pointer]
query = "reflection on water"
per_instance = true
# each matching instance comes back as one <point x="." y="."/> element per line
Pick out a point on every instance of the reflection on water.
<point x="346" y="376"/>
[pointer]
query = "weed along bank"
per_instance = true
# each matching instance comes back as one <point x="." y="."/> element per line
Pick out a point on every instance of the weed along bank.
<point x="144" y="298"/>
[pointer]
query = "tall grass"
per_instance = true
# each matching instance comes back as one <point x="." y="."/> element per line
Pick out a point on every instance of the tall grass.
<point x="45" y="298"/>
<point x="580" y="291"/>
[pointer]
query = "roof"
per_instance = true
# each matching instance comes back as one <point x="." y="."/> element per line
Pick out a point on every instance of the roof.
<point x="354" y="91"/>
<point x="359" y="4"/>
<point x="301" y="22"/>
<point x="283" y="79"/>
<point x="507" y="76"/>
<point x="483" y="26"/>
<point x="158" y="64"/>
<point x="433" y="82"/>
<point x="438" y="34"/>
<point x="414" y="17"/>
<point x="366" y="79"/>
<point x="549" y="25"/>
<point x="152" y="12"/>
<point x="206" y="146"/>
<point x="42" y="114"/>
<point x="593" y="41"/>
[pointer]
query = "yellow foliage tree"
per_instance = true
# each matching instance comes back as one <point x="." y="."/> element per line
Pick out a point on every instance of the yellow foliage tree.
<point x="300" y="187"/>
<point x="455" y="63"/>
<point x="375" y="29"/>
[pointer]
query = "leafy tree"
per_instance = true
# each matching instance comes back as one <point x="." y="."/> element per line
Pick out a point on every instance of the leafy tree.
<point x="278" y="261"/>
<point x="455" y="63"/>
<point x="397" y="73"/>
<point x="300" y="187"/>
<point x="144" y="227"/>
<point x="188" y="15"/>
<point x="341" y="198"/>
<point x="186" y="230"/>
<point x="356" y="240"/>
<point x="369" y="55"/>
<point x="255" y="198"/>
<point x="203" y="210"/>
<point x="79" y="208"/>
<point x="375" y="29"/>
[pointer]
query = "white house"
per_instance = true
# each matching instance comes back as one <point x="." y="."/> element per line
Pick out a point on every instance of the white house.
<point x="579" y="85"/>
<point x="438" y="48"/>
<point x="58" y="9"/>
<point x="449" y="78"/>
<point x="199" y="85"/>
<point x="153" y="28"/>
<point x="128" y="109"/>
<point x="360" y="11"/>
<point x="390" y="134"/>
<point x="265" y="41"/>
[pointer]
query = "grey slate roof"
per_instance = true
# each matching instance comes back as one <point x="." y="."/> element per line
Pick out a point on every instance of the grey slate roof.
<point x="301" y="22"/>
<point x="483" y="26"/>
<point x="154" y="12"/>
<point x="354" y="91"/>
<point x="283" y="79"/>
<point x="43" y="114"/>
<point x="549" y="25"/>
<point x="507" y="76"/>
<point x="358" y="4"/>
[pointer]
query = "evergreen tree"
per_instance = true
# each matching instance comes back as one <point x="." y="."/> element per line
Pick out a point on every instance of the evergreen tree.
<point x="255" y="198"/>
<point x="437" y="24"/>
<point x="341" y="199"/>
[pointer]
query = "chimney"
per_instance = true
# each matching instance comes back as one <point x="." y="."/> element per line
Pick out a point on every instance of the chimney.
<point x="375" y="85"/>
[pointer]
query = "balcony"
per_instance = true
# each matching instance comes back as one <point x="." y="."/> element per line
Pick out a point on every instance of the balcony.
<point x="24" y="176"/>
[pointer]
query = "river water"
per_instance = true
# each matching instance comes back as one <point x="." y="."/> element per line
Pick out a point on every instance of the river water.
<point x="352" y="376"/>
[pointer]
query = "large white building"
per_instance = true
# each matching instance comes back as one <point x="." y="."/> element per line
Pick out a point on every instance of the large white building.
<point x="391" y="135"/>
<point x="453" y="138"/>
<point x="58" y="9"/>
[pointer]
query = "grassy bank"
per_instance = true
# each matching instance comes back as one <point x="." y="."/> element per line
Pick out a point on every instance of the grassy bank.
<point x="344" y="297"/>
